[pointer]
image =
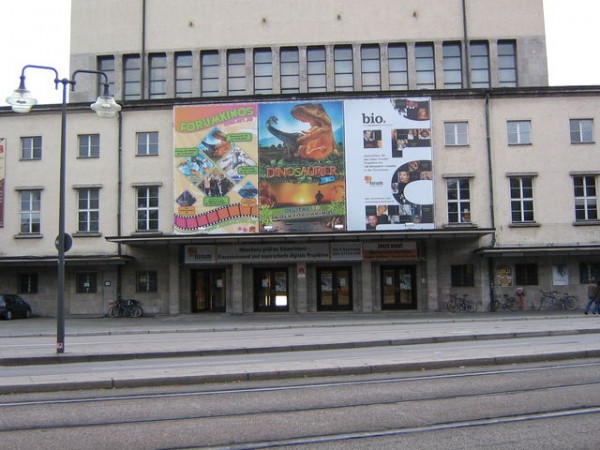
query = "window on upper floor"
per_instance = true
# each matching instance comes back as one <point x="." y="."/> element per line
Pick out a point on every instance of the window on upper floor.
<point x="343" y="68"/>
<point x="289" y="60"/>
<point x="147" y="143"/>
<point x="521" y="199"/>
<point x="30" y="207"/>
<point x="236" y="72"/>
<point x="459" y="200"/>
<point x="183" y="74"/>
<point x="106" y="64"/>
<point x="462" y="275"/>
<point x="31" y="148"/>
<point x="147" y="208"/>
<point x="507" y="64"/>
<point x="589" y="272"/>
<point x="480" y="65"/>
<point x="28" y="283"/>
<point x="518" y="132"/>
<point x="158" y="75"/>
<point x="263" y="71"/>
<point x="209" y="70"/>
<point x="425" y="66"/>
<point x="87" y="282"/>
<point x="370" y="66"/>
<point x="316" y="69"/>
<point x="89" y="145"/>
<point x="582" y="131"/>
<point x="132" y="78"/>
<point x="526" y="274"/>
<point x="88" y="210"/>
<point x="586" y="198"/>
<point x="452" y="65"/>
<point x="398" y="67"/>
<point x="456" y="133"/>
<point x="146" y="281"/>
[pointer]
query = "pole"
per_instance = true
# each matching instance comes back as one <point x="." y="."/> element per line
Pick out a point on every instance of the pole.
<point x="60" y="299"/>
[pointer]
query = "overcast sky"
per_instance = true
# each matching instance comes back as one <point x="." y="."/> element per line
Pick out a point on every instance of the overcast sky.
<point x="572" y="35"/>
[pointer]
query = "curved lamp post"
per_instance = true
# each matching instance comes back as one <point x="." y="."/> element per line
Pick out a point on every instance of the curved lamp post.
<point x="105" y="106"/>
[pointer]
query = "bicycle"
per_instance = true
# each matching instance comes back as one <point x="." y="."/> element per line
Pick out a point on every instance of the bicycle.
<point x="565" y="301"/>
<point x="508" y="304"/>
<point x="463" y="302"/>
<point x="125" y="308"/>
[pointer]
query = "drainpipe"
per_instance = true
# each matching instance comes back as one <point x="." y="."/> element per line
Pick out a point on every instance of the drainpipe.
<point x="143" y="56"/>
<point x="488" y="139"/>
<point x="119" y="199"/>
<point x="466" y="45"/>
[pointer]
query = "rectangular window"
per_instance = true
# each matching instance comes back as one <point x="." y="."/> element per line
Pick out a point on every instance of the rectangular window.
<point x="316" y="70"/>
<point x="480" y="65"/>
<point x="343" y="68"/>
<point x="425" y="66"/>
<point x="183" y="74"/>
<point x="209" y="71"/>
<point x="86" y="282"/>
<point x="31" y="148"/>
<point x="263" y="71"/>
<point x="459" y="200"/>
<point x="146" y="281"/>
<point x="462" y="275"/>
<point x="290" y="70"/>
<point x="89" y="145"/>
<point x="88" y="212"/>
<point x="586" y="198"/>
<point x="589" y="272"/>
<point x="147" y="208"/>
<point x="370" y="68"/>
<point x="526" y="274"/>
<point x="507" y="64"/>
<point x="398" y="67"/>
<point x="132" y="78"/>
<point x="452" y="65"/>
<point x="28" y="283"/>
<point x="582" y="131"/>
<point x="158" y="75"/>
<point x="30" y="212"/>
<point x="519" y="132"/>
<point x="521" y="199"/>
<point x="147" y="143"/>
<point x="106" y="64"/>
<point x="456" y="133"/>
<point x="236" y="72"/>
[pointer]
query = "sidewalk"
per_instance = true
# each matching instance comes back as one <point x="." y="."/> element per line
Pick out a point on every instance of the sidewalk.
<point x="25" y="343"/>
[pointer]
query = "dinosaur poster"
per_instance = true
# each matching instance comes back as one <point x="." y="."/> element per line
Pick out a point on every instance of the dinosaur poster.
<point x="215" y="169"/>
<point x="301" y="180"/>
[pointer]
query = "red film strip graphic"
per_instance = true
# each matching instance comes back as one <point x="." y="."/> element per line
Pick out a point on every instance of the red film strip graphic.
<point x="215" y="216"/>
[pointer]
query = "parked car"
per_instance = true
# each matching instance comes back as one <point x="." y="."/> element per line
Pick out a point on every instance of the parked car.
<point x="12" y="306"/>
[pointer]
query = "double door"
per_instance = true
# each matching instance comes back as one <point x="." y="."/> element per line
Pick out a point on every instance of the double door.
<point x="208" y="290"/>
<point x="271" y="290"/>
<point x="334" y="289"/>
<point x="398" y="287"/>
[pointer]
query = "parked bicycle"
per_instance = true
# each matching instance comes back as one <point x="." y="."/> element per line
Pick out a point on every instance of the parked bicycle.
<point x="461" y="302"/>
<point x="125" y="308"/>
<point x="505" y="304"/>
<point x="563" y="299"/>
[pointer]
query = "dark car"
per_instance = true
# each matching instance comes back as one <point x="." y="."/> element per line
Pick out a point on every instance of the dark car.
<point x="12" y="306"/>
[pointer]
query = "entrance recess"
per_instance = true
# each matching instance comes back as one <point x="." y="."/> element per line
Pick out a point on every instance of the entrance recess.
<point x="398" y="287"/>
<point x="270" y="290"/>
<point x="208" y="290"/>
<point x="334" y="289"/>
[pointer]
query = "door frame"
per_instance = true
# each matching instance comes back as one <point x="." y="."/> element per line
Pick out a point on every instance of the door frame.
<point x="398" y="305"/>
<point x="335" y="306"/>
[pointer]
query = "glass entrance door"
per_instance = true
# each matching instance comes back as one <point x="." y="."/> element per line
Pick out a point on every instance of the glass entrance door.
<point x="398" y="287"/>
<point x="270" y="290"/>
<point x="334" y="289"/>
<point x="208" y="290"/>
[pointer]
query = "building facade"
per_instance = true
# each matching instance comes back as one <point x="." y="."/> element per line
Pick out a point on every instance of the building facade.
<point x="281" y="156"/>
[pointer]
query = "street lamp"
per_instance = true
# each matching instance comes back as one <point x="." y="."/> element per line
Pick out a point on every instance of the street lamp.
<point x="105" y="106"/>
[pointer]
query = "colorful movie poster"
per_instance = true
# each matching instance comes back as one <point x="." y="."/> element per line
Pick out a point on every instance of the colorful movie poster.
<point x="301" y="167"/>
<point x="215" y="169"/>
<point x="389" y="166"/>
<point x="2" y="178"/>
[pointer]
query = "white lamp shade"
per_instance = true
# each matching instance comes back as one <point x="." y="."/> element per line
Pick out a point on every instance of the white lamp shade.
<point x="106" y="107"/>
<point x="21" y="101"/>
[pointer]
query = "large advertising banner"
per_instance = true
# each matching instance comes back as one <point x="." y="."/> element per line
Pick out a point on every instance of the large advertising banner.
<point x="389" y="165"/>
<point x="2" y="177"/>
<point x="301" y="167"/>
<point x="215" y="169"/>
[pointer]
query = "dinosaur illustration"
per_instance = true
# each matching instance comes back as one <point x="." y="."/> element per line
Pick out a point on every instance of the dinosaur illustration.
<point x="290" y="140"/>
<point x="318" y="142"/>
